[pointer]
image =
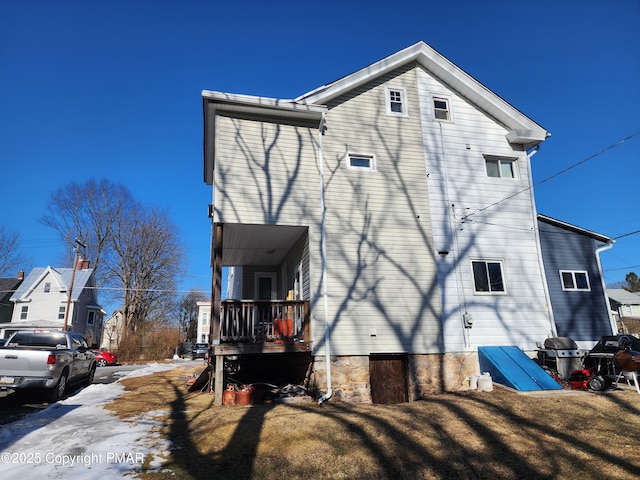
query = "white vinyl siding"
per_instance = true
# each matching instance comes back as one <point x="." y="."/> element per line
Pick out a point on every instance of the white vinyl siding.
<point x="472" y="220"/>
<point x="380" y="265"/>
<point x="266" y="173"/>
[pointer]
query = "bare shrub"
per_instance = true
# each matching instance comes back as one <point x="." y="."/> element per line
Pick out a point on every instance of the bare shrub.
<point x="149" y="342"/>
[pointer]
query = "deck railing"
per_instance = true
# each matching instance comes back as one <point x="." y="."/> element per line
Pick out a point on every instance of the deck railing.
<point x="254" y="321"/>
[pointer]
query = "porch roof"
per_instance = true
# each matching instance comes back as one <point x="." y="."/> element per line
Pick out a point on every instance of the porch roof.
<point x="257" y="244"/>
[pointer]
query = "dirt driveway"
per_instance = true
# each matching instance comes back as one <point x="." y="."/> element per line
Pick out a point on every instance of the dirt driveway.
<point x="467" y="435"/>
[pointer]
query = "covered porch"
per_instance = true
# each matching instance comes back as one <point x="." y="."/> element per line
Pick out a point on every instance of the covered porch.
<point x="267" y="309"/>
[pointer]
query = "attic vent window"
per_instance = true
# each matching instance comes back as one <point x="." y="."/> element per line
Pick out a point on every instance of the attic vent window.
<point x="396" y="103"/>
<point x="47" y="287"/>
<point x="358" y="161"/>
<point x="441" y="109"/>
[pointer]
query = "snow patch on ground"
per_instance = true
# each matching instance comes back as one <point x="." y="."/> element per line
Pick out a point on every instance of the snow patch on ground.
<point x="78" y="439"/>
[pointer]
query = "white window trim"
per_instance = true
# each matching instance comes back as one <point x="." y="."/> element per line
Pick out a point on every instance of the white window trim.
<point x="372" y="165"/>
<point x="573" y="274"/>
<point x="502" y="271"/>
<point x="444" y="98"/>
<point x="403" y="101"/>
<point x="502" y="158"/>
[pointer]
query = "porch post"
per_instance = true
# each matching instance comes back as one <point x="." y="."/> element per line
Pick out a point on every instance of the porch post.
<point x="214" y="328"/>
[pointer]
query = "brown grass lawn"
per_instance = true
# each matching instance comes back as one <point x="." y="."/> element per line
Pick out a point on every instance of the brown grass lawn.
<point x="466" y="435"/>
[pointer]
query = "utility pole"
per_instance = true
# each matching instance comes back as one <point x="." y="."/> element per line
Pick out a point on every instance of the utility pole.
<point x="73" y="276"/>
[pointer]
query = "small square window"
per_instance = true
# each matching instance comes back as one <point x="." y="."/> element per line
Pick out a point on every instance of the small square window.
<point x="441" y="109"/>
<point x="574" y="280"/>
<point x="500" y="167"/>
<point x="358" y="161"/>
<point x="488" y="277"/>
<point x="396" y="104"/>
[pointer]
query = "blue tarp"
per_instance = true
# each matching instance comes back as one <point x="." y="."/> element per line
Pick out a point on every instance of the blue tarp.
<point x="511" y="367"/>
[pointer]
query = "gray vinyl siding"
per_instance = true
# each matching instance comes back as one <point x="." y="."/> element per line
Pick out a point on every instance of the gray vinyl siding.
<point x="472" y="220"/>
<point x="266" y="173"/>
<point x="580" y="315"/>
<point x="380" y="261"/>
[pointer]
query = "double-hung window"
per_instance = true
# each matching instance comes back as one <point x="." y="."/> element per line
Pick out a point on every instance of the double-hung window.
<point x="24" y="312"/>
<point x="396" y="101"/>
<point x="488" y="277"/>
<point x="500" y="167"/>
<point x="574" y="280"/>
<point x="441" y="110"/>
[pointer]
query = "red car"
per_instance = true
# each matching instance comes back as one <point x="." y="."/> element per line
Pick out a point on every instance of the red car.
<point x="104" y="358"/>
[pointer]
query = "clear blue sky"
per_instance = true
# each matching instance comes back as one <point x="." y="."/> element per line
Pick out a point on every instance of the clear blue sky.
<point x="113" y="89"/>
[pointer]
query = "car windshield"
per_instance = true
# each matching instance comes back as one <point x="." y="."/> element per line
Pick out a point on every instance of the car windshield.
<point x="32" y="339"/>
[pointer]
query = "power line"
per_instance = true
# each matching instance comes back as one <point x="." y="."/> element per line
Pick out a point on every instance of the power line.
<point x="627" y="234"/>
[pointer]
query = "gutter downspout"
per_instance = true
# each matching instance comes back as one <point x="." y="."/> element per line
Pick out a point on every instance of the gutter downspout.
<point x="547" y="296"/>
<point x="604" y="248"/>
<point x="323" y="243"/>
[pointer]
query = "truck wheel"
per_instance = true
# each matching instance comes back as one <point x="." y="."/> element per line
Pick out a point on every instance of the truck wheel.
<point x="90" y="375"/>
<point x="58" y="391"/>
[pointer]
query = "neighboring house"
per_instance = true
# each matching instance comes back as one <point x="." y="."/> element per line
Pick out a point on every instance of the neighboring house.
<point x="42" y="299"/>
<point x="576" y="282"/>
<point x="384" y="225"/>
<point x="7" y="287"/>
<point x="112" y="331"/>
<point x="204" y="317"/>
<point x="625" y="308"/>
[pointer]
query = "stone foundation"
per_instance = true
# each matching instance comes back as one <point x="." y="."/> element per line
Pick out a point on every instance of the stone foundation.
<point x="426" y="374"/>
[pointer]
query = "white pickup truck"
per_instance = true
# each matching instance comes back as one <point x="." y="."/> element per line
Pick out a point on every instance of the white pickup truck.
<point x="46" y="360"/>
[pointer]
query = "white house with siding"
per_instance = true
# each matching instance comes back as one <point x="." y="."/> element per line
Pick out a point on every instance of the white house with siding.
<point x="390" y="214"/>
<point x="52" y="297"/>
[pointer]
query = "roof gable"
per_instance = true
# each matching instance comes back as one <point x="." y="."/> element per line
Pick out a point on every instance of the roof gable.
<point x="61" y="277"/>
<point x="522" y="130"/>
<point x="309" y="109"/>
<point x="574" y="228"/>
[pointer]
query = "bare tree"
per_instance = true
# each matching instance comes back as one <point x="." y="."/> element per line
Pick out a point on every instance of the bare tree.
<point x="147" y="257"/>
<point x="88" y="211"/>
<point x="135" y="249"/>
<point x="11" y="260"/>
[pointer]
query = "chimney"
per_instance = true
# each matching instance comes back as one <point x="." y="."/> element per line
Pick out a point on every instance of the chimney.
<point x="21" y="275"/>
<point x="82" y="264"/>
